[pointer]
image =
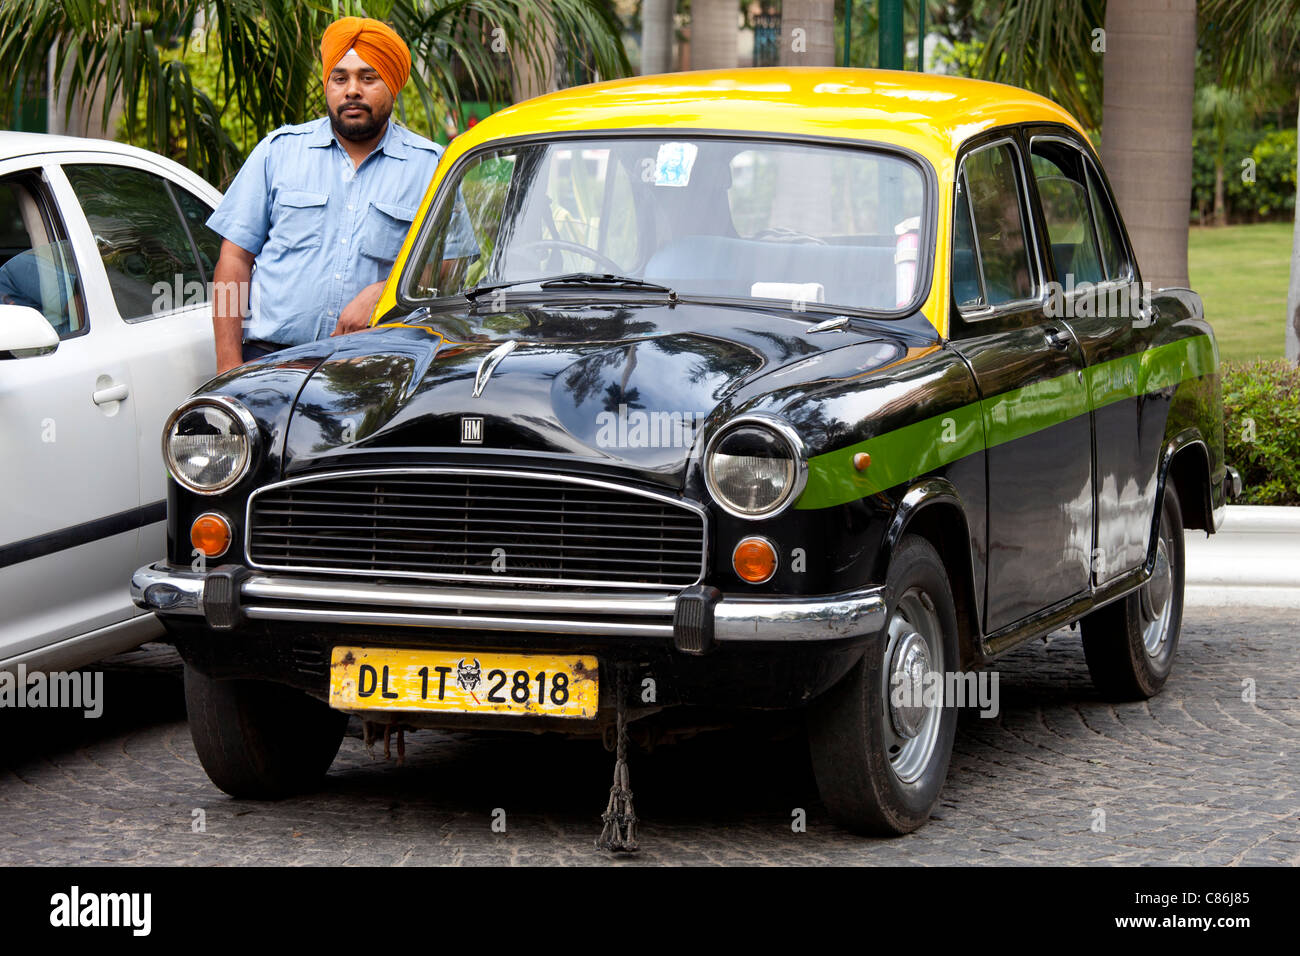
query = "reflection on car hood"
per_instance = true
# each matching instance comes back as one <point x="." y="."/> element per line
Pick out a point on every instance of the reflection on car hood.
<point x="615" y="387"/>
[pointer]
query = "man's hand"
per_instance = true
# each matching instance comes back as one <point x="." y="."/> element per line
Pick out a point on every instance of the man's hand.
<point x="230" y="280"/>
<point x="356" y="314"/>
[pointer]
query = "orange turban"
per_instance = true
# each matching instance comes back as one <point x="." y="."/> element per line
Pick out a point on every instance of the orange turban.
<point x="376" y="43"/>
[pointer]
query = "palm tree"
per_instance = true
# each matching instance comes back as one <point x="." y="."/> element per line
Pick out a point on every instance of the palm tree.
<point x="1048" y="46"/>
<point x="1149" y="84"/>
<point x="1039" y="44"/>
<point x="817" y="20"/>
<point x="1148" y="49"/>
<point x="269" y="73"/>
<point x="715" y="32"/>
<point x="1224" y="111"/>
<point x="1257" y="40"/>
<point x="657" y="35"/>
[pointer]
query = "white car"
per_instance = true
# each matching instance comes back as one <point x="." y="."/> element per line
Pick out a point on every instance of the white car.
<point x="105" y="326"/>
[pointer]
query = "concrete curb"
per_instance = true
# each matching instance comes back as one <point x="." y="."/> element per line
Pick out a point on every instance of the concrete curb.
<point x="1254" y="560"/>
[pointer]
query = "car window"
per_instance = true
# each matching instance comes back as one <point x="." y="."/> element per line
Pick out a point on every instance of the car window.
<point x="206" y="241"/>
<point x="37" y="268"/>
<point x="472" y="224"/>
<point x="967" y="287"/>
<point x="825" y="195"/>
<point x="989" y="193"/>
<point x="701" y="215"/>
<point x="142" y="239"/>
<point x="1116" y="261"/>
<point x="1061" y="175"/>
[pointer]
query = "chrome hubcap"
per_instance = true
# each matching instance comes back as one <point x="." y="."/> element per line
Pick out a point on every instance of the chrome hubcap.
<point x="913" y="650"/>
<point x="907" y="685"/>
<point x="1156" y="602"/>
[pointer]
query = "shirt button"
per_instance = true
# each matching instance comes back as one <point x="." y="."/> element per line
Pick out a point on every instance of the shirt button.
<point x="343" y="241"/>
<point x="349" y="205"/>
<point x="338" y="275"/>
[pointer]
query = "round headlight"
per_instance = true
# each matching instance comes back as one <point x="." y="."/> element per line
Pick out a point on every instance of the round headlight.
<point x="754" y="468"/>
<point x="208" y="444"/>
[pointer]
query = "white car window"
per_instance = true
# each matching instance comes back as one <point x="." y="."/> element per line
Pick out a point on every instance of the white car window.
<point x="196" y="213"/>
<point x="146" y="241"/>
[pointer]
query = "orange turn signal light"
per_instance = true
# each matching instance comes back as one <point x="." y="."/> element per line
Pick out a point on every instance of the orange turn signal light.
<point x="754" y="560"/>
<point x="210" y="534"/>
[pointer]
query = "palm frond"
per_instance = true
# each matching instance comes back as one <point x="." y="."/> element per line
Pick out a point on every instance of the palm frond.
<point x="1252" y="39"/>
<point x="270" y="71"/>
<point x="1047" y="47"/>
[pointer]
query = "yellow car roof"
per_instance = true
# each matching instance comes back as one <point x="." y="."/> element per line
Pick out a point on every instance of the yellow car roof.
<point x="932" y="115"/>
<point x="929" y="114"/>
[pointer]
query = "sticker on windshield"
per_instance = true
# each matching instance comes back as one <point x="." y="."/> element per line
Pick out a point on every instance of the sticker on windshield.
<point x="673" y="165"/>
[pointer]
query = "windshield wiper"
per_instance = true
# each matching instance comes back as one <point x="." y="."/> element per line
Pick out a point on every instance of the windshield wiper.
<point x="605" y="280"/>
<point x="588" y="280"/>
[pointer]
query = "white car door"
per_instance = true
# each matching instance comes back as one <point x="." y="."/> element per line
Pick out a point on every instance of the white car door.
<point x="146" y="220"/>
<point x="70" y="511"/>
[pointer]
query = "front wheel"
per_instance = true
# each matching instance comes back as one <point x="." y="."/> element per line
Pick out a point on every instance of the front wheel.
<point x="258" y="740"/>
<point x="1130" y="644"/>
<point x="881" y="739"/>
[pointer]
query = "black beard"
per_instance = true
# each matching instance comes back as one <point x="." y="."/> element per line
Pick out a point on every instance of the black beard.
<point x="358" y="130"/>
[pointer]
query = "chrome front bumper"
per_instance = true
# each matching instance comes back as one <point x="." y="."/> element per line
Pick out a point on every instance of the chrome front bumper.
<point x="694" y="619"/>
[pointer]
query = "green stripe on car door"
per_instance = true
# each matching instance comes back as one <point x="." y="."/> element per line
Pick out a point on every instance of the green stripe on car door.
<point x="905" y="453"/>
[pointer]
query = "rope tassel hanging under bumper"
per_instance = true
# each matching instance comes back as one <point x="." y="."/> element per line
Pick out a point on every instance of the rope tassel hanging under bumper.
<point x="619" y="831"/>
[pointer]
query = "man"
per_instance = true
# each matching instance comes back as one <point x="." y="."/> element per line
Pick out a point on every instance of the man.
<point x="318" y="212"/>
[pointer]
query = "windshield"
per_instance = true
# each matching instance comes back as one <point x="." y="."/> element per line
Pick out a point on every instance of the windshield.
<point x="706" y="217"/>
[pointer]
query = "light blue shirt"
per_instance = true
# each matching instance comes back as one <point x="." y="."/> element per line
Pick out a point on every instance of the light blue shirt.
<point x="321" y="230"/>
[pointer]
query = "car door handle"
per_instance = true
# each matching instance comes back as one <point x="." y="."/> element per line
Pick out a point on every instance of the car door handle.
<point x="114" y="393"/>
<point x="1058" y="338"/>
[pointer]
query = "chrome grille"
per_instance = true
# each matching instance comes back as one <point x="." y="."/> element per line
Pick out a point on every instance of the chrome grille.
<point x="482" y="525"/>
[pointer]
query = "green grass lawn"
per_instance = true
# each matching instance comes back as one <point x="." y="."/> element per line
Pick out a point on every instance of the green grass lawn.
<point x="1241" y="273"/>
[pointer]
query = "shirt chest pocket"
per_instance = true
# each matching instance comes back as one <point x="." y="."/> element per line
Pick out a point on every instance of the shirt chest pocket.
<point x="385" y="227"/>
<point x="299" y="218"/>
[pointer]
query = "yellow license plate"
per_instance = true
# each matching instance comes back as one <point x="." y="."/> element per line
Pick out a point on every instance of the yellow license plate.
<point x="540" y="685"/>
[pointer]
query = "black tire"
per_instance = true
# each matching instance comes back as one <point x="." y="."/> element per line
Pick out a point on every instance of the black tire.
<point x="258" y="740"/>
<point x="872" y="779"/>
<point x="1130" y="644"/>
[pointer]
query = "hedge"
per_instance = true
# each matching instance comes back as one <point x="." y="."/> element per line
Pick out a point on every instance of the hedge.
<point x="1261" y="422"/>
<point x="1270" y="196"/>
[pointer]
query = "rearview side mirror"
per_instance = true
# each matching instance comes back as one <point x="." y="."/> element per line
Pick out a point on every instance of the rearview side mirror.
<point x="25" y="333"/>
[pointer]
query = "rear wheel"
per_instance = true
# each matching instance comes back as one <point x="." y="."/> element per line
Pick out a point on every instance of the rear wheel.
<point x="1130" y="644"/>
<point x="880" y="745"/>
<point x="258" y="740"/>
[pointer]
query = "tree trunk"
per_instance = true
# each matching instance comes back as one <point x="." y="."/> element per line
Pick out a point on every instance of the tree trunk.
<point x="86" y="118"/>
<point x="1220" y="210"/>
<point x="815" y="44"/>
<point x="1293" y="292"/>
<point x="657" y="36"/>
<point x="1146" y="133"/>
<point x="715" y="34"/>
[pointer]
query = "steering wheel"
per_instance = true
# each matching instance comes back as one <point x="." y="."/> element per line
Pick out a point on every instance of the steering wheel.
<point x="596" y="257"/>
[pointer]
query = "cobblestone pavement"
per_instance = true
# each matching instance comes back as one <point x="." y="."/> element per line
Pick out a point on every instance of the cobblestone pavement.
<point x="1196" y="776"/>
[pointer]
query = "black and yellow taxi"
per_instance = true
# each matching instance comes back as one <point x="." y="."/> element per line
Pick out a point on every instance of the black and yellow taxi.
<point x="801" y="389"/>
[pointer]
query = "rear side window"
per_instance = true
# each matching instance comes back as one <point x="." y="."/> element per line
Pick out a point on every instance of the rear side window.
<point x="991" y="264"/>
<point x="1114" y="259"/>
<point x="1061" y="175"/>
<point x="153" y="263"/>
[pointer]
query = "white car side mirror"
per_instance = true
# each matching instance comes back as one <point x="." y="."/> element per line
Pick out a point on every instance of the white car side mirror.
<point x="24" y="330"/>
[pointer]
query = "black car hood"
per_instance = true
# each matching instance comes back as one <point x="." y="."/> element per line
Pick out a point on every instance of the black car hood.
<point x="626" y="387"/>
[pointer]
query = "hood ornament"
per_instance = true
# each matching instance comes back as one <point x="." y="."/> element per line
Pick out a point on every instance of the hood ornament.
<point x="489" y="364"/>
